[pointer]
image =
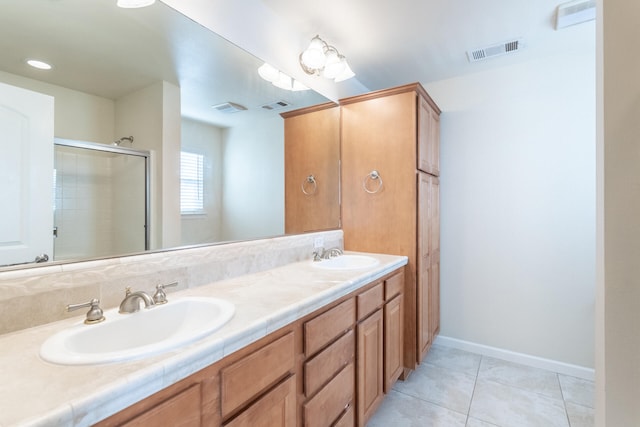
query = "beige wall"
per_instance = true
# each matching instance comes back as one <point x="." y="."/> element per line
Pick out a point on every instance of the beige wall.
<point x="518" y="207"/>
<point x="253" y="180"/>
<point x="78" y="115"/>
<point x="618" y="344"/>
<point x="152" y="116"/>
<point x="205" y="139"/>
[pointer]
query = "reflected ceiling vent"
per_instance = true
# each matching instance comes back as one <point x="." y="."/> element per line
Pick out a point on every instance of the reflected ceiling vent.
<point x="494" y="50"/>
<point x="277" y="105"/>
<point x="575" y="12"/>
<point x="229" y="107"/>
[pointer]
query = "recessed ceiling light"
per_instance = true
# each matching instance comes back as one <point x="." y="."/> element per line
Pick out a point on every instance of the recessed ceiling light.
<point x="132" y="4"/>
<point x="39" y="64"/>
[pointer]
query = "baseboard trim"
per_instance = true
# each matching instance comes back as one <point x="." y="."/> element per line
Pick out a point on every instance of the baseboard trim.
<point x="512" y="356"/>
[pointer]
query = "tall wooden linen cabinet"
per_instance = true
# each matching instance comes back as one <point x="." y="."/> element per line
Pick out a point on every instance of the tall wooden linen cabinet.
<point x="374" y="160"/>
<point x="390" y="143"/>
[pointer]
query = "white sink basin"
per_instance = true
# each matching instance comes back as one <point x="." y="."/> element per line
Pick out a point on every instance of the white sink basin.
<point x="123" y="337"/>
<point x="346" y="262"/>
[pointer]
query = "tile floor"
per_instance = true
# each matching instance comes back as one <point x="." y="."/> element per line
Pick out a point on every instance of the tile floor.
<point x="455" y="388"/>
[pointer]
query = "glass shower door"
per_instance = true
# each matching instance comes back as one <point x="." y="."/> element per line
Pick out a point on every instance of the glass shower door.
<point x="100" y="200"/>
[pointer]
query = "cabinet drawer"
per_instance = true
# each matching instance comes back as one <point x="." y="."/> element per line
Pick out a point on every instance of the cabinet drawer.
<point x="331" y="401"/>
<point x="328" y="362"/>
<point x="183" y="409"/>
<point x="324" y="328"/>
<point x="276" y="408"/>
<point x="347" y="419"/>
<point x="369" y="301"/>
<point x="393" y="286"/>
<point x="253" y="374"/>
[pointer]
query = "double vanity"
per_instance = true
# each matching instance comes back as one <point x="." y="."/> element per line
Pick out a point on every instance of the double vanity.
<point x="306" y="343"/>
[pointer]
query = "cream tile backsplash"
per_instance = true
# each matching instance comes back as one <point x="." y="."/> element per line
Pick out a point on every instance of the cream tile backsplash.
<point x="34" y="296"/>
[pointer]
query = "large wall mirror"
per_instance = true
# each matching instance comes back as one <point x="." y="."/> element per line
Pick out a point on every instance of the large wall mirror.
<point x="151" y="79"/>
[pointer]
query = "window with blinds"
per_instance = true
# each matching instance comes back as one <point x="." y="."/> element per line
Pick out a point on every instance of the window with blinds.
<point x="191" y="183"/>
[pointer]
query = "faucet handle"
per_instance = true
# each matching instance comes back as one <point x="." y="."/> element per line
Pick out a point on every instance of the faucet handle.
<point x="160" y="297"/>
<point x="95" y="313"/>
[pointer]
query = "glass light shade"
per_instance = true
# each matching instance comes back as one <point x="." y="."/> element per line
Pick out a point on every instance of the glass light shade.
<point x="297" y="86"/>
<point x="346" y="74"/>
<point x="268" y="72"/>
<point x="283" y="81"/>
<point x="334" y="66"/>
<point x="132" y="4"/>
<point x="313" y="56"/>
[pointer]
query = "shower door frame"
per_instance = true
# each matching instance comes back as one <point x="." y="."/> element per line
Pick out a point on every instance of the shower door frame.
<point x="121" y="150"/>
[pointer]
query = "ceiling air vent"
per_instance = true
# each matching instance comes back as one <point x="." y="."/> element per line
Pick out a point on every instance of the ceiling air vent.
<point x="575" y="12"/>
<point x="229" y="107"/>
<point x="276" y="105"/>
<point x="494" y="50"/>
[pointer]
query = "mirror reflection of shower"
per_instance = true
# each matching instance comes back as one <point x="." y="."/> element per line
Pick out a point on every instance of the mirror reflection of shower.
<point x="101" y="205"/>
<point x="128" y="139"/>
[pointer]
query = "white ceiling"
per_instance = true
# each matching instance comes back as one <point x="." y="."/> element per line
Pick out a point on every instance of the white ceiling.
<point x="389" y="43"/>
<point x="100" y="49"/>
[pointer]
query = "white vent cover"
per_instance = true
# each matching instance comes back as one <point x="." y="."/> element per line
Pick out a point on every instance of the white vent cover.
<point x="277" y="105"/>
<point x="494" y="50"/>
<point x="575" y="12"/>
<point x="229" y="107"/>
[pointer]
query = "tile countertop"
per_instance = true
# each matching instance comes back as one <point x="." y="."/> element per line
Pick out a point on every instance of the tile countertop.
<point x="36" y="393"/>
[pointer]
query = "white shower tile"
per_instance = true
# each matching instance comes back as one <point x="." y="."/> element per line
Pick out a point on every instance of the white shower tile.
<point x="510" y="406"/>
<point x="521" y="376"/>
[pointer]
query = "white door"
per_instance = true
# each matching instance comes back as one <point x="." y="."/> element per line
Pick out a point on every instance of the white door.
<point x="26" y="175"/>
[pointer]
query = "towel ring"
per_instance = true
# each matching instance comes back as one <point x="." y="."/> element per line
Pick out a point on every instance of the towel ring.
<point x="312" y="188"/>
<point x="374" y="175"/>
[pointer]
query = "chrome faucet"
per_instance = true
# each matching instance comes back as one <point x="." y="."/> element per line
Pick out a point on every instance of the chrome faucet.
<point x="131" y="301"/>
<point x="321" y="253"/>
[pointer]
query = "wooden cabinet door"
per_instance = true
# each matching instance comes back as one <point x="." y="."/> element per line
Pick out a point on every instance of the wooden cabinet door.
<point x="393" y="341"/>
<point x="428" y="138"/>
<point x="379" y="134"/>
<point x="312" y="149"/>
<point x="370" y="366"/>
<point x="434" y="249"/>
<point x="276" y="408"/>
<point x="424" y="265"/>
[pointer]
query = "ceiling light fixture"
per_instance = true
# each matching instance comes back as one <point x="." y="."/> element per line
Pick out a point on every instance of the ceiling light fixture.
<point x="132" y="4"/>
<point x="279" y="79"/>
<point x="322" y="59"/>
<point x="39" y="64"/>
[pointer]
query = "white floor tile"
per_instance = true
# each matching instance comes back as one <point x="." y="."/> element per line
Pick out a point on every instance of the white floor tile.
<point x="521" y="376"/>
<point x="510" y="406"/>
<point x="580" y="416"/>
<point x="474" y="422"/>
<point x="454" y="359"/>
<point x="455" y="388"/>
<point x="400" y="410"/>
<point x="577" y="390"/>
<point x="444" y="387"/>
